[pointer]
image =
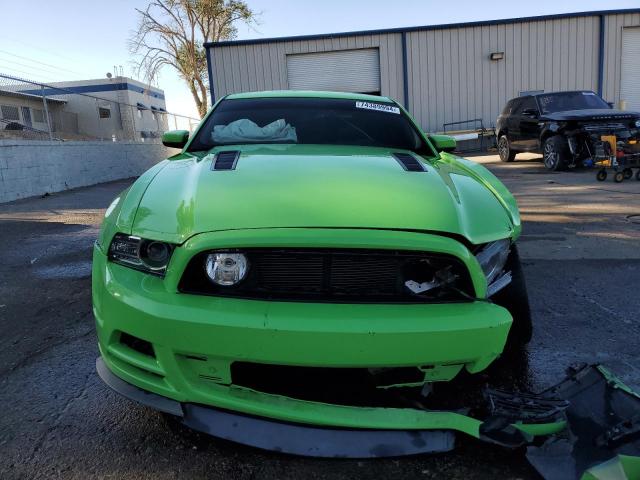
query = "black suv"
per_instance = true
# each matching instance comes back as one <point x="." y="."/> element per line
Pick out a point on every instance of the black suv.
<point x="568" y="128"/>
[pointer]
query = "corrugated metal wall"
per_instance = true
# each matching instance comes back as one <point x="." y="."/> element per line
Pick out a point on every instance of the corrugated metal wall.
<point x="450" y="75"/>
<point x="246" y="68"/>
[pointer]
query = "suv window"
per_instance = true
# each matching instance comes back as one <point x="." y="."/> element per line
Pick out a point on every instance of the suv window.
<point x="563" y="101"/>
<point x="515" y="105"/>
<point x="507" y="108"/>
<point x="526" y="102"/>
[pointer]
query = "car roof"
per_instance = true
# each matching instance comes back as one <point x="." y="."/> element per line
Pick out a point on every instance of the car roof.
<point x="552" y="93"/>
<point x="309" y="94"/>
<point x="528" y="95"/>
<point x="563" y="91"/>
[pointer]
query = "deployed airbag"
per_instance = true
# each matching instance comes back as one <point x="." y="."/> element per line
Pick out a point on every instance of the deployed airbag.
<point x="244" y="130"/>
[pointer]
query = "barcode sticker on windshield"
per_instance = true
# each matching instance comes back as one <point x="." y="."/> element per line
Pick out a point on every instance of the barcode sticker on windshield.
<point x="378" y="106"/>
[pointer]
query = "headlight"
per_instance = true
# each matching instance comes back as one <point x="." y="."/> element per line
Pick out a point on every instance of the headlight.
<point x="637" y="124"/>
<point x="493" y="257"/>
<point x="226" y="269"/>
<point x="147" y="255"/>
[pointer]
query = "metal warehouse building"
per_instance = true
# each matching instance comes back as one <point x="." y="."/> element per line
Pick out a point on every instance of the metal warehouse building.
<point x="446" y="73"/>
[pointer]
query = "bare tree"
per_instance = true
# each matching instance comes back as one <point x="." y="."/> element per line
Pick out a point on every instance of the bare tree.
<point x="172" y="32"/>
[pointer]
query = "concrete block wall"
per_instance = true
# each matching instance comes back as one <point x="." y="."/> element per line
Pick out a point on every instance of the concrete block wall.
<point x="31" y="168"/>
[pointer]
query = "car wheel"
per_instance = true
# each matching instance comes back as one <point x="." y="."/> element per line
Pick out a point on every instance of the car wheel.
<point x="514" y="298"/>
<point x="504" y="149"/>
<point x="628" y="173"/>
<point x="554" y="153"/>
<point x="601" y="175"/>
<point x="618" y="177"/>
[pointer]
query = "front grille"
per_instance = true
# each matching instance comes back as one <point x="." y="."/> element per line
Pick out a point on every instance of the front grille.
<point x="599" y="127"/>
<point x="357" y="276"/>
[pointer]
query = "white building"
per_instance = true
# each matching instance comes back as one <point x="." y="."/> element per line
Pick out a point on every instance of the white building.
<point x="24" y="111"/>
<point x="108" y="108"/>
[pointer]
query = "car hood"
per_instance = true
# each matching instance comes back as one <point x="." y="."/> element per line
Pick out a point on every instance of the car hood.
<point x="596" y="114"/>
<point x="282" y="186"/>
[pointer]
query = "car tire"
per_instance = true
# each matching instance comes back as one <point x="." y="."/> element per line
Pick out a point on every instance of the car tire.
<point x="515" y="299"/>
<point x="504" y="149"/>
<point x="555" y="152"/>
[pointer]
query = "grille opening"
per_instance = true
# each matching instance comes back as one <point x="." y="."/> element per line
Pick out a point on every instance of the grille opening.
<point x="226" y="160"/>
<point x="358" y="387"/>
<point x="409" y="162"/>
<point x="336" y="276"/>
<point x="338" y="386"/>
<point x="137" y="344"/>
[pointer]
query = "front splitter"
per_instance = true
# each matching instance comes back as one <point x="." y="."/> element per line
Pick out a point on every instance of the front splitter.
<point x="295" y="439"/>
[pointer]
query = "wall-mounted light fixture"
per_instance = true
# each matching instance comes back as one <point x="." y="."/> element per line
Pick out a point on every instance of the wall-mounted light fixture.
<point x="497" y="56"/>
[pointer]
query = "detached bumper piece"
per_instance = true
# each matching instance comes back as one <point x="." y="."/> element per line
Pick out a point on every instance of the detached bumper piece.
<point x="602" y="439"/>
<point x="516" y="418"/>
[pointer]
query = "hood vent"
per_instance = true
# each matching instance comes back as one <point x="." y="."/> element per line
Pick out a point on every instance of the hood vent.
<point x="409" y="162"/>
<point x="225" y="160"/>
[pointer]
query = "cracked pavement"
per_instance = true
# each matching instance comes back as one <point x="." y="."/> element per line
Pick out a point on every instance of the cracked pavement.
<point x="582" y="261"/>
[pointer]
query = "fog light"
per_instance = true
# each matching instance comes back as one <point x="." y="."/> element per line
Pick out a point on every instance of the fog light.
<point x="226" y="269"/>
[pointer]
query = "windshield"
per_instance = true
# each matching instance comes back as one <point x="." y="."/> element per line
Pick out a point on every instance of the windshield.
<point x="560" y="102"/>
<point x="319" y="121"/>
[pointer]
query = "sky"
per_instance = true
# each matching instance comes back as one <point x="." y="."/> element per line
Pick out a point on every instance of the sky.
<point x="59" y="40"/>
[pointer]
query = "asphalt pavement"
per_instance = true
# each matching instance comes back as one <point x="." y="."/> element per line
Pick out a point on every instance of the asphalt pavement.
<point x="581" y="255"/>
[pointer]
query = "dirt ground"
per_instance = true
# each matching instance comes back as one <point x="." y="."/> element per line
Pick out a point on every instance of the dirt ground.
<point x="580" y="249"/>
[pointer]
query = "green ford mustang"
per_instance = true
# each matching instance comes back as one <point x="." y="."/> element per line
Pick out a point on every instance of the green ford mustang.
<point x="305" y="260"/>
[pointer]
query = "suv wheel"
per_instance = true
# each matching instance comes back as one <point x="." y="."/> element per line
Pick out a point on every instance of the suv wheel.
<point x="504" y="149"/>
<point x="555" y="153"/>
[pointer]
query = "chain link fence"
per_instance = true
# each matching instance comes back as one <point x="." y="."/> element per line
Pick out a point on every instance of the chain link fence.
<point x="123" y="110"/>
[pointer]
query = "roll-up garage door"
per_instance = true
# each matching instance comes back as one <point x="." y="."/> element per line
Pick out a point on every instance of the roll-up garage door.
<point x="355" y="71"/>
<point x="630" y="83"/>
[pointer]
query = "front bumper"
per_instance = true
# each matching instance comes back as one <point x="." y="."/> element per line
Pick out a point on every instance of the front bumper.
<point x="289" y="438"/>
<point x="196" y="339"/>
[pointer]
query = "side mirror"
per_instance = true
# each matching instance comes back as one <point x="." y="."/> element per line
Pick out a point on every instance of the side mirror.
<point x="443" y="143"/>
<point x="175" y="138"/>
<point x="530" y="112"/>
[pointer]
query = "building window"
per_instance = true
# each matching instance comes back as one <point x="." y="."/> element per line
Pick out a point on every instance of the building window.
<point x="9" y="112"/>
<point x="104" y="112"/>
<point x="38" y="115"/>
